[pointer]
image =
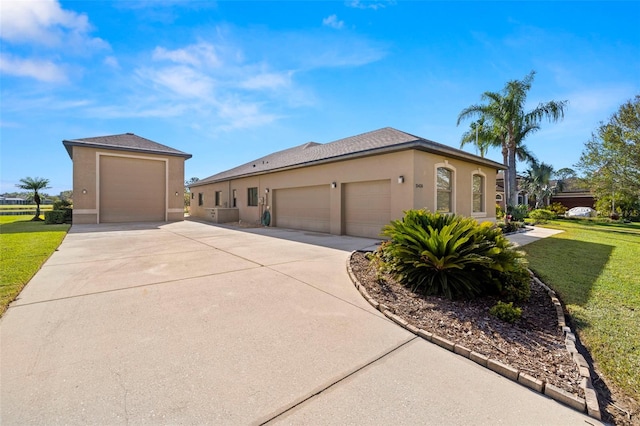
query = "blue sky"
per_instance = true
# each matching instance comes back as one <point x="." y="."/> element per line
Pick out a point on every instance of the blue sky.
<point x="231" y="81"/>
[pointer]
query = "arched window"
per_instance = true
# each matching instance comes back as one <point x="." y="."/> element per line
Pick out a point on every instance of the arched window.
<point x="444" y="190"/>
<point x="478" y="186"/>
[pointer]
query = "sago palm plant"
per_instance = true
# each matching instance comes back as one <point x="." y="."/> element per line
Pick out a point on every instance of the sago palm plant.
<point x="447" y="255"/>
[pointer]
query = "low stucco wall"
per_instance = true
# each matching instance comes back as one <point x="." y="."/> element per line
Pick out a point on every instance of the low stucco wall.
<point x="222" y="215"/>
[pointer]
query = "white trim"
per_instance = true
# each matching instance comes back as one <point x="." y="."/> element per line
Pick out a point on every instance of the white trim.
<point x="453" y="171"/>
<point x="482" y="213"/>
<point x="138" y="157"/>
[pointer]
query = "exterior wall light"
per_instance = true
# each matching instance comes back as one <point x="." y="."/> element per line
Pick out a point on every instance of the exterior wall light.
<point x="400" y="179"/>
<point x="84" y="191"/>
<point x="333" y="185"/>
<point x="176" y="193"/>
<point x="266" y="191"/>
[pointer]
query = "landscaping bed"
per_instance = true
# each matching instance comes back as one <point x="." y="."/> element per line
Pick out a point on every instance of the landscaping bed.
<point x="534" y="345"/>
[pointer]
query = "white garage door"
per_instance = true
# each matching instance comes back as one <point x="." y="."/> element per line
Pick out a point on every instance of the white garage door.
<point x="132" y="190"/>
<point x="367" y="207"/>
<point x="304" y="208"/>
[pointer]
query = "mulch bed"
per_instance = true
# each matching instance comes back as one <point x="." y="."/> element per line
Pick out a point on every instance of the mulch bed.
<point x="534" y="345"/>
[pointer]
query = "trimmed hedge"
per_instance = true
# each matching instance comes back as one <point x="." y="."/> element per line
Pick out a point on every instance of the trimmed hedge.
<point x="58" y="216"/>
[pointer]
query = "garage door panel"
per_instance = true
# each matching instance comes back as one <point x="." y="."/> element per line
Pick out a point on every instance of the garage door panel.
<point x="367" y="207"/>
<point x="132" y="190"/>
<point x="305" y="208"/>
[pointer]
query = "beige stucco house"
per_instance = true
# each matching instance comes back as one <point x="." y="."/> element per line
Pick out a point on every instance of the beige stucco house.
<point x="352" y="186"/>
<point x="126" y="178"/>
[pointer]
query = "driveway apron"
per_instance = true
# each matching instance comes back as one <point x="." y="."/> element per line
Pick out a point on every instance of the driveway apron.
<point x="190" y="323"/>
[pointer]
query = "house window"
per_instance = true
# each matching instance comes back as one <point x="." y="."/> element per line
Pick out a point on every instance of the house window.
<point x="218" y="198"/>
<point x="193" y="195"/>
<point x="444" y="189"/>
<point x="200" y="198"/>
<point x="498" y="197"/>
<point x="478" y="194"/>
<point x="252" y="196"/>
<point x="235" y="198"/>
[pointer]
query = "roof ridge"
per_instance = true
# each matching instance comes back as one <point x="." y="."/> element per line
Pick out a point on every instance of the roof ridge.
<point x="126" y="142"/>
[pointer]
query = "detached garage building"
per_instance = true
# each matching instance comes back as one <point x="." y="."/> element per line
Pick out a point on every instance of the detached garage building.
<point x="126" y="178"/>
<point x="352" y="186"/>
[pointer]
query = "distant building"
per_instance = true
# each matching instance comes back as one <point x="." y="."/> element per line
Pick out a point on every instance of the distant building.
<point x="9" y="201"/>
<point x="574" y="194"/>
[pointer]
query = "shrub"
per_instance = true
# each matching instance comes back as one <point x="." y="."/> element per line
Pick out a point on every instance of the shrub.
<point x="509" y="227"/>
<point x="518" y="213"/>
<point x="558" y="208"/>
<point x="542" y="215"/>
<point x="515" y="284"/>
<point x="61" y="204"/>
<point x="506" y="312"/>
<point x="499" y="211"/>
<point x="57" y="216"/>
<point x="447" y="255"/>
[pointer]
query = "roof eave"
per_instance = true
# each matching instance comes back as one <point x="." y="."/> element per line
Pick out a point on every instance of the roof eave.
<point x="420" y="145"/>
<point x="71" y="143"/>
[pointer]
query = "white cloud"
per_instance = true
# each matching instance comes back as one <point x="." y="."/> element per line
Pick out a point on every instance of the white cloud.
<point x="112" y="62"/>
<point x="44" y="22"/>
<point x="201" y="54"/>
<point x="270" y="81"/>
<point x="375" y="5"/>
<point x="332" y="21"/>
<point x="181" y="80"/>
<point x="238" y="115"/>
<point x="41" y="70"/>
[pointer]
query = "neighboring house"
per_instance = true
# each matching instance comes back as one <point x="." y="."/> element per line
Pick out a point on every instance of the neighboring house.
<point x="126" y="178"/>
<point x="12" y="201"/>
<point x="523" y="196"/>
<point x="352" y="186"/>
<point x="574" y="194"/>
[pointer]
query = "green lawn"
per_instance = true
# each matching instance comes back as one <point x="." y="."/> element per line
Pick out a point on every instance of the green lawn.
<point x="595" y="268"/>
<point x="24" y="247"/>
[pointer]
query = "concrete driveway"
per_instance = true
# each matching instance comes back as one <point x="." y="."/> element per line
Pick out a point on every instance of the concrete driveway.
<point x="190" y="323"/>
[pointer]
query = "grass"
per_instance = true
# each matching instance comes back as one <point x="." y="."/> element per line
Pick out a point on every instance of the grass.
<point x="594" y="268"/>
<point x="30" y="207"/>
<point x="24" y="247"/>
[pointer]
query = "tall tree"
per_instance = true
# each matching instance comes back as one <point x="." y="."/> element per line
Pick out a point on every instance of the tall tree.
<point x="504" y="112"/>
<point x="481" y="136"/>
<point x="537" y="182"/>
<point x="35" y="185"/>
<point x="610" y="161"/>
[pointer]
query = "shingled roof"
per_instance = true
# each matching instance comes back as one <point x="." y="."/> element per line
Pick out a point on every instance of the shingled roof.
<point x="124" y="142"/>
<point x="371" y="143"/>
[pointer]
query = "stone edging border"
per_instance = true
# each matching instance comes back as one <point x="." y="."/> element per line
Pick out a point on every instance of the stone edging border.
<point x="588" y="404"/>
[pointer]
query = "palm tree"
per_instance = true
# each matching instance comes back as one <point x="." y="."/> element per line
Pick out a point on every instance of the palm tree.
<point x="504" y="112"/>
<point x="481" y="136"/>
<point x="35" y="185"/>
<point x="537" y="182"/>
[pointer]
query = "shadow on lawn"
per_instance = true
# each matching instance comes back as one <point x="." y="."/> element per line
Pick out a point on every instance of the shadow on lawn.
<point x="568" y="266"/>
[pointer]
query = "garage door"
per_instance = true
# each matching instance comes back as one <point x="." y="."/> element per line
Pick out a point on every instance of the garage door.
<point x="367" y="207"/>
<point x="132" y="190"/>
<point x="304" y="208"/>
